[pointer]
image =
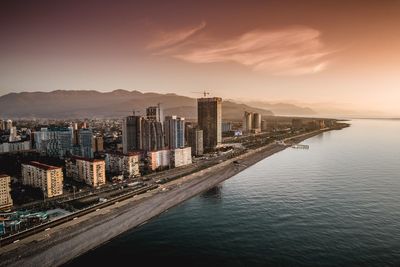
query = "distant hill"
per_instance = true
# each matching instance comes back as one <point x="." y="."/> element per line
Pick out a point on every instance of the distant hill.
<point x="62" y="104"/>
<point x="283" y="108"/>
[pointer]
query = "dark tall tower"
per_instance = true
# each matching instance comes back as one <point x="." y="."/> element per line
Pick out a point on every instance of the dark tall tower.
<point x="132" y="133"/>
<point x="209" y="113"/>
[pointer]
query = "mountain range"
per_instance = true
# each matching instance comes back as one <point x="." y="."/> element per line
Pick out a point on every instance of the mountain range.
<point x="63" y="104"/>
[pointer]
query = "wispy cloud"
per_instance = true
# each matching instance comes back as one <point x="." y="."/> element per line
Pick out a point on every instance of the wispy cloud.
<point x="294" y="50"/>
<point x="165" y="39"/>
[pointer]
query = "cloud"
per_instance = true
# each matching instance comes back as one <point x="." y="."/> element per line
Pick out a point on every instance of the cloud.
<point x="165" y="39"/>
<point x="296" y="50"/>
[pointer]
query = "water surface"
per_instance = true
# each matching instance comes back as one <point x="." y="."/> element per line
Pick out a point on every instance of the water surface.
<point x="336" y="204"/>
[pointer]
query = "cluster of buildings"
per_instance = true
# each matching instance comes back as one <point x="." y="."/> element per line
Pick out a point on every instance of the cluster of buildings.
<point x="163" y="142"/>
<point x="10" y="140"/>
<point x="152" y="142"/>
<point x="309" y="124"/>
<point x="252" y="123"/>
<point x="62" y="142"/>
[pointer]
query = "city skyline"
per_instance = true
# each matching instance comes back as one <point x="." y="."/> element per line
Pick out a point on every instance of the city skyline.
<point x="310" y="52"/>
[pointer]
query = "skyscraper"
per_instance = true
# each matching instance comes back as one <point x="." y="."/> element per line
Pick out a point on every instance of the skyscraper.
<point x="256" y="122"/>
<point x="152" y="135"/>
<point x="209" y="112"/>
<point x="85" y="143"/>
<point x="247" y="121"/>
<point x="155" y="113"/>
<point x="174" y="132"/>
<point x="132" y="133"/>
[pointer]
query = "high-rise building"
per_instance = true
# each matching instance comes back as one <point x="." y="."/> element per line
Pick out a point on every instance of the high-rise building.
<point x="256" y="122"/>
<point x="139" y="133"/>
<point x="152" y="135"/>
<point x="97" y="144"/>
<point x="90" y="171"/>
<point x="132" y="133"/>
<point x="54" y="141"/>
<point x="195" y="141"/>
<point x="247" y="121"/>
<point x="174" y="132"/>
<point x="126" y="165"/>
<point x="85" y="143"/>
<point x="155" y="113"/>
<point x="6" y="202"/>
<point x="13" y="134"/>
<point x="209" y="112"/>
<point x="48" y="178"/>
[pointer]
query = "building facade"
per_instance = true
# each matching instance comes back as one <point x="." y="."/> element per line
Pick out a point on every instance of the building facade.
<point x="48" y="178"/>
<point x="132" y="133"/>
<point x="195" y="141"/>
<point x="15" y="146"/>
<point x="158" y="159"/>
<point x="247" y="121"/>
<point x="6" y="202"/>
<point x="89" y="171"/>
<point x="256" y="122"/>
<point x="85" y="143"/>
<point x="155" y="113"/>
<point x="126" y="165"/>
<point x="181" y="156"/>
<point x="209" y="112"/>
<point x="174" y="132"/>
<point x="97" y="144"/>
<point x="54" y="141"/>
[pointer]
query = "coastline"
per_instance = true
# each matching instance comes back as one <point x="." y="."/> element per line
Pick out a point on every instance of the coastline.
<point x="67" y="241"/>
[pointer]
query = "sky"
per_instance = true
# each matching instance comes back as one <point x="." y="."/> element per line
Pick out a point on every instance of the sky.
<point x="337" y="53"/>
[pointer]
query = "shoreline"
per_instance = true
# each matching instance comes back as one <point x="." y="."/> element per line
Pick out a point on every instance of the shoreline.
<point x="72" y="239"/>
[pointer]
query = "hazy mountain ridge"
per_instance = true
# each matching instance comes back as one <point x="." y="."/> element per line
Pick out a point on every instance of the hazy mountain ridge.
<point x="282" y="108"/>
<point x="61" y="104"/>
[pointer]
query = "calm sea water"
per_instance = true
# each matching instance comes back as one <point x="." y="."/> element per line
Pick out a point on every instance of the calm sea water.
<point x="336" y="204"/>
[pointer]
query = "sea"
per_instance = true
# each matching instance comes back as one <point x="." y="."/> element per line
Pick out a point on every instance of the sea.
<point x="334" y="204"/>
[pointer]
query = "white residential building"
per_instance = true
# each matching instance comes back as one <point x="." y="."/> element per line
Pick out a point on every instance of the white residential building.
<point x="48" y="178"/>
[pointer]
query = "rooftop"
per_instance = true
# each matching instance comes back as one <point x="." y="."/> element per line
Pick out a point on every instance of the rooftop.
<point x="4" y="175"/>
<point x="87" y="159"/>
<point x="42" y="165"/>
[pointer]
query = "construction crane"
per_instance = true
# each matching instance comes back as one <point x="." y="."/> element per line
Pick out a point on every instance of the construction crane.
<point x="205" y="93"/>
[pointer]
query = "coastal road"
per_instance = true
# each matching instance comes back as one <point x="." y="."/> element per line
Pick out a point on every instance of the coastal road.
<point x="67" y="241"/>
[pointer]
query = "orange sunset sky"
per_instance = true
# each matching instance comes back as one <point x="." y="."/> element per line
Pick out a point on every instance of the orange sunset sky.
<point x="337" y="53"/>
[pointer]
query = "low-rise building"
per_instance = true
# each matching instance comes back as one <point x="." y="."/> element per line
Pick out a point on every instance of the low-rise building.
<point x="6" y="202"/>
<point x="17" y="146"/>
<point x="158" y="159"/>
<point x="181" y="156"/>
<point x="90" y="171"/>
<point x="123" y="164"/>
<point x="48" y="178"/>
